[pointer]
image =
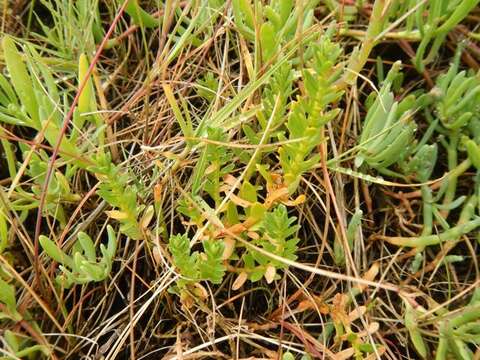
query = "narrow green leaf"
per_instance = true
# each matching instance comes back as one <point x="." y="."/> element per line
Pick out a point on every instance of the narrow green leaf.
<point x="7" y="296"/>
<point x="55" y="252"/>
<point x="3" y="231"/>
<point x="140" y="16"/>
<point x="20" y="78"/>
<point x="87" y="246"/>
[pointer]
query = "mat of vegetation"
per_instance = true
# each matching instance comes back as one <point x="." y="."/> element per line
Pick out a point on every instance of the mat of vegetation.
<point x="271" y="179"/>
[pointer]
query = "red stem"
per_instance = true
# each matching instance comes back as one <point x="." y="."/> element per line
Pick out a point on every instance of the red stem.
<point x="66" y="122"/>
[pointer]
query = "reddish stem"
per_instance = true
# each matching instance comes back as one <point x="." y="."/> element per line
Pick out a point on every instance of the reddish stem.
<point x="66" y="122"/>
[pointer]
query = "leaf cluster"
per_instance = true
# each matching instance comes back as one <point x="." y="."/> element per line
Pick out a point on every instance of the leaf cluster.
<point x="197" y="266"/>
<point x="310" y="112"/>
<point x="115" y="190"/>
<point x="388" y="129"/>
<point x="277" y="236"/>
<point x="82" y="266"/>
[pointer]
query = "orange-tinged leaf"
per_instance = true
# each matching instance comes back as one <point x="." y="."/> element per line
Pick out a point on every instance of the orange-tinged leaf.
<point x="305" y="305"/>
<point x="157" y="193"/>
<point x="373" y="356"/>
<point x="229" y="248"/>
<point x="237" y="228"/>
<point x="239" y="201"/>
<point x="229" y="180"/>
<point x="278" y="194"/>
<point x="299" y="200"/>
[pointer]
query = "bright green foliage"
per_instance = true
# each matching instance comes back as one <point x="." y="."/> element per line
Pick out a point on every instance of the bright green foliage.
<point x="33" y="98"/>
<point x="82" y="266"/>
<point x="441" y="17"/>
<point x="276" y="97"/>
<point x="457" y="95"/>
<point x="214" y="163"/>
<point x="211" y="266"/>
<point x="423" y="162"/>
<point x="140" y="16"/>
<point x="3" y="229"/>
<point x="459" y="330"/>
<point x="430" y="22"/>
<point x="310" y="113"/>
<point x="179" y="246"/>
<point x="411" y="323"/>
<point x="288" y="356"/>
<point x="388" y="129"/>
<point x="421" y="166"/>
<point x="187" y="208"/>
<point x="74" y="29"/>
<point x="195" y="266"/>
<point x="207" y="86"/>
<point x="7" y="298"/>
<point x="300" y="126"/>
<point x="278" y="237"/>
<point x="21" y="347"/>
<point x="59" y="190"/>
<point x="277" y="22"/>
<point x="473" y="152"/>
<point x="87" y="102"/>
<point x="117" y="192"/>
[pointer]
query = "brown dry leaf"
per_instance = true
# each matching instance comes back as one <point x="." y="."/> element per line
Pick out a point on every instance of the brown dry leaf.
<point x="345" y="354"/>
<point x="338" y="312"/>
<point x="318" y="305"/>
<point x="304" y="305"/>
<point x="240" y="280"/>
<point x="186" y="299"/>
<point x="229" y="180"/>
<point x="237" y="228"/>
<point x="157" y="255"/>
<point x="357" y="313"/>
<point x="253" y="235"/>
<point x="370" y="275"/>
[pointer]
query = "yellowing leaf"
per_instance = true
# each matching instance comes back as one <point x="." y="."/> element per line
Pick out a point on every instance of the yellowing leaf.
<point x="147" y="217"/>
<point x="117" y="215"/>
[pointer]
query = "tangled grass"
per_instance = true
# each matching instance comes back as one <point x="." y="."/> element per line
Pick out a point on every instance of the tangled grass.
<point x="239" y="179"/>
